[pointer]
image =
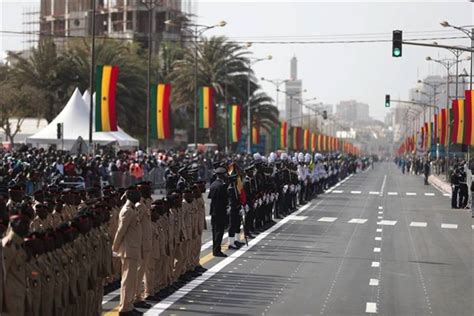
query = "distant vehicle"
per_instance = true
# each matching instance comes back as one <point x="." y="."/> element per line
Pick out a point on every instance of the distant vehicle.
<point x="72" y="183"/>
<point x="203" y="147"/>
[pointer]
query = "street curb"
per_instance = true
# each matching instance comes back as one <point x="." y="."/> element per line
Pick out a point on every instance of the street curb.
<point x="439" y="184"/>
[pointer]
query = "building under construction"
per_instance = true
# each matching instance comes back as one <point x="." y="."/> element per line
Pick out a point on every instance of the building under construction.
<point x="121" y="19"/>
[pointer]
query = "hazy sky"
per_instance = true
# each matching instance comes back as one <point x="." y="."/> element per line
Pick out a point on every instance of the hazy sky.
<point x="330" y="72"/>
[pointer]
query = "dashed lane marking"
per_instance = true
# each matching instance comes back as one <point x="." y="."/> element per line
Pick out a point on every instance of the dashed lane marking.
<point x="418" y="224"/>
<point x="380" y="207"/>
<point x="411" y="193"/>
<point x="392" y="193"/>
<point x="379" y="230"/>
<point x="449" y="226"/>
<point x="357" y="221"/>
<point x="375" y="264"/>
<point x="380" y="212"/>
<point x="386" y="222"/>
<point x="376" y="249"/>
<point x="371" y="308"/>
<point x="378" y="238"/>
<point x="379" y="217"/>
<point x="374" y="192"/>
<point x="337" y="191"/>
<point x="374" y="282"/>
<point x="429" y="194"/>
<point x="446" y="194"/>
<point x="297" y="218"/>
<point x="327" y="219"/>
<point x="356" y="192"/>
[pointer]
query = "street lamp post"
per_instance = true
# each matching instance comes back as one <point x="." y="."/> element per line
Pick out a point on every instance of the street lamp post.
<point x="252" y="61"/>
<point x="197" y="30"/>
<point x="470" y="33"/>
<point x="448" y="64"/>
<point x="91" y="78"/>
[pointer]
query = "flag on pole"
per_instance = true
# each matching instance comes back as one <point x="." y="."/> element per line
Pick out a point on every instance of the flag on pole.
<point x="206" y="107"/>
<point x="444" y="127"/>
<point x="313" y="142"/>
<point x="469" y="118"/>
<point x="160" y="111"/>
<point x="306" y="139"/>
<point x="283" y="134"/>
<point x="255" y="133"/>
<point x="234" y="123"/>
<point x="105" y="91"/>
<point x="457" y="131"/>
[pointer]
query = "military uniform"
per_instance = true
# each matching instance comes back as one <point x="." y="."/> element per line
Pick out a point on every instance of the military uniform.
<point x="127" y="244"/>
<point x="219" y="201"/>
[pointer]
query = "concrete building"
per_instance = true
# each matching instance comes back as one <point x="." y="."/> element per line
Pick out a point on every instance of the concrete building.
<point x="124" y="19"/>
<point x="293" y="88"/>
<point x="352" y="112"/>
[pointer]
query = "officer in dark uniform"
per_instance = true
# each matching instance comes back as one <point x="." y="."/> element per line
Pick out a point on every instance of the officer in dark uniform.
<point x="234" y="215"/>
<point x="250" y="192"/>
<point x="219" y="201"/>
<point x="456" y="185"/>
<point x="260" y="186"/>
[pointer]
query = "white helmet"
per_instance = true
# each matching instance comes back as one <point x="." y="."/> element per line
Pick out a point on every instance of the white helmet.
<point x="300" y="157"/>
<point x="284" y="156"/>
<point x="307" y="158"/>
<point x="257" y="157"/>
<point x="272" y="157"/>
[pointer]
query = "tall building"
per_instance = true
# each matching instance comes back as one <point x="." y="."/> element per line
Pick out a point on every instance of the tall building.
<point x="352" y="112"/>
<point x="293" y="87"/>
<point x="124" y="19"/>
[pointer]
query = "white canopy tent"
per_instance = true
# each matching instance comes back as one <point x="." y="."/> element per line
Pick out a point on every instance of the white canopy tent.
<point x="75" y="117"/>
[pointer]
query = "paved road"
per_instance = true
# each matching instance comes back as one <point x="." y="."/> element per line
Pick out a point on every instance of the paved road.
<point x="381" y="242"/>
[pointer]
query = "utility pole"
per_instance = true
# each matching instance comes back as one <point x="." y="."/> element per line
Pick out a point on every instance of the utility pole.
<point x="91" y="77"/>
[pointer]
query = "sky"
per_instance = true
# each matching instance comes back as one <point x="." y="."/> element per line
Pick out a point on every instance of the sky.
<point x="330" y="72"/>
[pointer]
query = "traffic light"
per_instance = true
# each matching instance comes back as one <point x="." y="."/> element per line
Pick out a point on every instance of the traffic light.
<point x="397" y="43"/>
<point x="59" y="130"/>
<point x="325" y="114"/>
<point x="387" y="100"/>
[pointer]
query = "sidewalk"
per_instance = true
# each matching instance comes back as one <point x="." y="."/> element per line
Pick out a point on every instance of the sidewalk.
<point x="440" y="183"/>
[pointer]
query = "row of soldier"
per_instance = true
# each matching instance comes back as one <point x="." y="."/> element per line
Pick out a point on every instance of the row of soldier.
<point x="63" y="246"/>
<point x="58" y="248"/>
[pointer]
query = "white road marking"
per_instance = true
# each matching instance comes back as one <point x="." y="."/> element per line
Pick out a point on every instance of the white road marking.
<point x="380" y="207"/>
<point x="446" y="194"/>
<point x="180" y="293"/>
<point x="356" y="192"/>
<point x="376" y="249"/>
<point x="374" y="282"/>
<point x="379" y="230"/>
<point x="375" y="264"/>
<point x="418" y="224"/>
<point x="337" y="191"/>
<point x="450" y="226"/>
<point x="297" y="218"/>
<point x="385" y="222"/>
<point x="379" y="217"/>
<point x="374" y="192"/>
<point x="472" y="226"/>
<point x="392" y="193"/>
<point x="411" y="193"/>
<point x="371" y="308"/>
<point x="380" y="212"/>
<point x="357" y="221"/>
<point x="383" y="184"/>
<point x="327" y="219"/>
<point x="429" y="194"/>
<point x="378" y="238"/>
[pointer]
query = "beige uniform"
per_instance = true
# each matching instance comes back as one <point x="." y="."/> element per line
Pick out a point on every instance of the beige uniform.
<point x="15" y="275"/>
<point x="143" y="209"/>
<point x="127" y="244"/>
<point x="33" y="296"/>
<point x="38" y="224"/>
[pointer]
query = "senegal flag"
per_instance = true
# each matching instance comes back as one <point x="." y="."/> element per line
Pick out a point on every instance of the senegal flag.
<point x="255" y="134"/>
<point x="105" y="90"/>
<point x="469" y="118"/>
<point x="160" y="111"/>
<point x="306" y="139"/>
<point x="313" y="142"/>
<point x="234" y="123"/>
<point x="457" y="130"/>
<point x="206" y="107"/>
<point x="283" y="134"/>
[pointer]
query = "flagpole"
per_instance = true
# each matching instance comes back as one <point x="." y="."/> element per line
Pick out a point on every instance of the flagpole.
<point x="91" y="78"/>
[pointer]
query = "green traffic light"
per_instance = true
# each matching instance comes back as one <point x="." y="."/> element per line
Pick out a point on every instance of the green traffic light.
<point x="387" y="104"/>
<point x="396" y="52"/>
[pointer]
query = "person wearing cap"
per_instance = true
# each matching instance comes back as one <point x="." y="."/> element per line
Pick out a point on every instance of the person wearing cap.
<point x="15" y="194"/>
<point x="143" y="208"/>
<point x="14" y="265"/>
<point x="200" y="222"/>
<point x="127" y="245"/>
<point x="155" y="268"/>
<point x="250" y="188"/>
<point x="234" y="215"/>
<point x="41" y="221"/>
<point x="34" y="248"/>
<point x="219" y="201"/>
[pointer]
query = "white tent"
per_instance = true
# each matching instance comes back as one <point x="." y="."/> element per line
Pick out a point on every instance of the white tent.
<point x="75" y="117"/>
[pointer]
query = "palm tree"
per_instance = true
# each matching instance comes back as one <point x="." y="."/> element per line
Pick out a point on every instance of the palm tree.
<point x="44" y="70"/>
<point x="223" y="65"/>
